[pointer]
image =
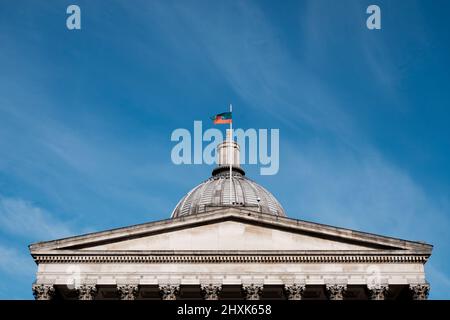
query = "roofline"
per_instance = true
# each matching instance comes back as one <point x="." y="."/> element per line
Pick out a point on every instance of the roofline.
<point x="237" y="213"/>
<point x="230" y="252"/>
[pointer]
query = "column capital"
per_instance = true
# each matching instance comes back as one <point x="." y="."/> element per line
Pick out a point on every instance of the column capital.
<point x="252" y="291"/>
<point x="211" y="291"/>
<point x="378" y="292"/>
<point x="87" y="291"/>
<point x="335" y="291"/>
<point x="169" y="291"/>
<point x="43" y="291"/>
<point x="128" y="291"/>
<point x="294" y="291"/>
<point x="419" y="291"/>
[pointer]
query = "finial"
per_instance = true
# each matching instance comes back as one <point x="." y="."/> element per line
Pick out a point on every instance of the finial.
<point x="228" y="153"/>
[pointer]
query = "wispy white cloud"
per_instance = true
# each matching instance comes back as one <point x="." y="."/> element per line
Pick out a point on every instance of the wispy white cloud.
<point x="237" y="42"/>
<point x="346" y="186"/>
<point x="345" y="177"/>
<point x="17" y="270"/>
<point x="345" y="181"/>
<point x="74" y="160"/>
<point x="14" y="262"/>
<point x="440" y="282"/>
<point x="21" y="218"/>
<point x="360" y="189"/>
<point x="242" y="44"/>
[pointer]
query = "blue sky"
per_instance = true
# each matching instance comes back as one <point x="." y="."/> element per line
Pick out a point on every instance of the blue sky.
<point x="86" y="116"/>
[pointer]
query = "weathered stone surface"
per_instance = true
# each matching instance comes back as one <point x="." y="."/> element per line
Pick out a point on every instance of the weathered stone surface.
<point x="250" y="219"/>
<point x="235" y="246"/>
<point x="252" y="291"/>
<point x="419" y="291"/>
<point x="169" y="291"/>
<point x="378" y="292"/>
<point x="127" y="291"/>
<point x="211" y="291"/>
<point x="336" y="291"/>
<point x="294" y="291"/>
<point x="43" y="291"/>
<point x="87" y="292"/>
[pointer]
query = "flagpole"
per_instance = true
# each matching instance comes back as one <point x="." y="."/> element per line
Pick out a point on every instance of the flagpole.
<point x="232" y="154"/>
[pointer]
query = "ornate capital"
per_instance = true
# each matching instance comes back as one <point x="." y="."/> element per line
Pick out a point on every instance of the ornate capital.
<point x="419" y="291"/>
<point x="336" y="291"/>
<point x="378" y="292"/>
<point x="294" y="291"/>
<point x="87" y="292"/>
<point x="252" y="291"/>
<point x="127" y="291"/>
<point x="169" y="292"/>
<point x="43" y="291"/>
<point x="211" y="291"/>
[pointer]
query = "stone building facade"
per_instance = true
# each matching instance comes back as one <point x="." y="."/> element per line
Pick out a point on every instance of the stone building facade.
<point x="230" y="243"/>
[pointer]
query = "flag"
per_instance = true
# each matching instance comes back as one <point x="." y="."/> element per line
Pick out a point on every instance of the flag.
<point x="222" y="118"/>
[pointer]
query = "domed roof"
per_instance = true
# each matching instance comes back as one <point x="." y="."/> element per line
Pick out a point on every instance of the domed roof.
<point x="214" y="193"/>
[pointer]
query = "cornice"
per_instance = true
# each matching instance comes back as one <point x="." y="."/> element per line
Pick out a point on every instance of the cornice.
<point x="232" y="258"/>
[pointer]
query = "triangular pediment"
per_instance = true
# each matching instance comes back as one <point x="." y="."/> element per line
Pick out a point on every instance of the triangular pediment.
<point x="229" y="235"/>
<point x="228" y="230"/>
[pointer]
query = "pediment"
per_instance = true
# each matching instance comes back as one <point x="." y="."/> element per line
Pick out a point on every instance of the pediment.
<point x="229" y="235"/>
<point x="228" y="230"/>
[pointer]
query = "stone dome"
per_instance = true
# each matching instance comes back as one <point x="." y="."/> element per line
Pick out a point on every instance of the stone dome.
<point x="214" y="193"/>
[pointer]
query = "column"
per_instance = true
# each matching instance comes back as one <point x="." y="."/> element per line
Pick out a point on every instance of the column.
<point x="378" y="292"/>
<point x="169" y="291"/>
<point x="419" y="291"/>
<point x="294" y="291"/>
<point x="43" y="291"/>
<point x="87" y="291"/>
<point x="335" y="291"/>
<point x="127" y="291"/>
<point x="211" y="291"/>
<point x="252" y="291"/>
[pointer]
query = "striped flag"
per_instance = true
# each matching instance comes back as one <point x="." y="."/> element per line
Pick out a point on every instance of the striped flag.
<point x="222" y="118"/>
